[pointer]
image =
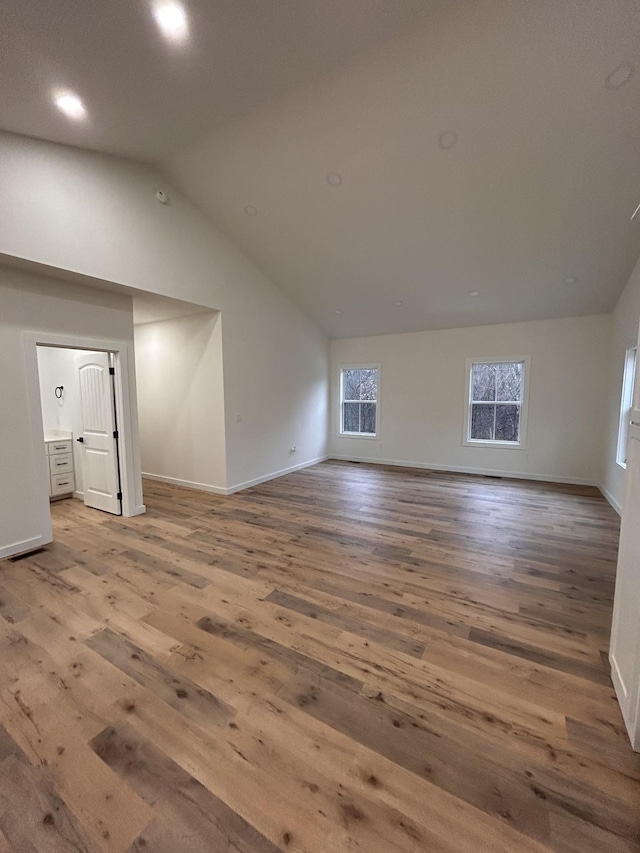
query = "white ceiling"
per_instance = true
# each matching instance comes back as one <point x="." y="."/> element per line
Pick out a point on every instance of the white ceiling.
<point x="271" y="97"/>
<point x="146" y="97"/>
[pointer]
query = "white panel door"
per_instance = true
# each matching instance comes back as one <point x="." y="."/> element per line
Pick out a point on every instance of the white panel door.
<point x="625" y="631"/>
<point x="99" y="453"/>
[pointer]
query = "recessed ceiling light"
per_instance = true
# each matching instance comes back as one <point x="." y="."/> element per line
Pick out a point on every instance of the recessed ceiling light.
<point x="398" y="303"/>
<point x="334" y="179"/>
<point x="250" y="210"/>
<point x="474" y="293"/>
<point x="338" y="311"/>
<point x="70" y="105"/>
<point x="172" y="20"/>
<point x="447" y="139"/>
<point x="620" y="76"/>
<point x="570" y="279"/>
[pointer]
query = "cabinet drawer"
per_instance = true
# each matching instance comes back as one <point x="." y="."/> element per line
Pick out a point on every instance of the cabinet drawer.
<point x="61" y="463"/>
<point x="61" y="484"/>
<point x="56" y="447"/>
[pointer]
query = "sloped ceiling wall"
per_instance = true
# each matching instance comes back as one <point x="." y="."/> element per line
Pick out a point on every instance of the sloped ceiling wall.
<point x="97" y="216"/>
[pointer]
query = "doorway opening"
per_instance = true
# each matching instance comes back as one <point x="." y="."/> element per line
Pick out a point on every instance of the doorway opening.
<point x="80" y="425"/>
<point x="119" y="355"/>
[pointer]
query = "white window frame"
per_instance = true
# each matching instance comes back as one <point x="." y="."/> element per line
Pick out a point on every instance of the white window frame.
<point x="359" y="435"/>
<point x="626" y="405"/>
<point x="467" y="441"/>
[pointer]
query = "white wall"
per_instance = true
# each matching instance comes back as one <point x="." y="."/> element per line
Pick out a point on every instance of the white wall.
<point x="181" y="400"/>
<point x="57" y="366"/>
<point x="34" y="304"/>
<point x="626" y="317"/>
<point x="49" y="372"/>
<point x="422" y="397"/>
<point x="97" y="215"/>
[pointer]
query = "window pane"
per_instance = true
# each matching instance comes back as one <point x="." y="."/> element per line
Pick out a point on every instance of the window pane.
<point x="368" y="418"/>
<point x="482" y="421"/>
<point x="626" y="405"/>
<point x="369" y="384"/>
<point x="360" y="384"/>
<point x="507" y="423"/>
<point x="484" y="382"/>
<point x="351" y="417"/>
<point x="509" y="381"/>
<point x="351" y="384"/>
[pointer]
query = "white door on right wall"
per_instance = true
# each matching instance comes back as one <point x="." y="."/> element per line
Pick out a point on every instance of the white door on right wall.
<point x="625" y="632"/>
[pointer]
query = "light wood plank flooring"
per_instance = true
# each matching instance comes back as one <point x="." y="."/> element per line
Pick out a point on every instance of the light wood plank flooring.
<point x="346" y="659"/>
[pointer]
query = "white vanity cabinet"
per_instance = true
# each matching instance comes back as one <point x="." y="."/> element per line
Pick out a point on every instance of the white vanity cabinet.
<point x="59" y="450"/>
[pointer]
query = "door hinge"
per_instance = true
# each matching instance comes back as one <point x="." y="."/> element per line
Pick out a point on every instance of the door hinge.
<point x="112" y="371"/>
<point x="119" y="496"/>
<point x="116" y="434"/>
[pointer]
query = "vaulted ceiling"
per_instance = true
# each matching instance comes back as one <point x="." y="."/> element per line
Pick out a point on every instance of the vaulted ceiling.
<point x="148" y="97"/>
<point x="380" y="160"/>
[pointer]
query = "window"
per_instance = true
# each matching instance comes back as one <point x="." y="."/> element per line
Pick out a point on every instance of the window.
<point x="626" y="405"/>
<point x="358" y="401"/>
<point x="495" y="413"/>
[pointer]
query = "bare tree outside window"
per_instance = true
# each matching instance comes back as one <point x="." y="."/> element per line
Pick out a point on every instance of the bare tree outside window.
<point x="496" y="401"/>
<point x="359" y="400"/>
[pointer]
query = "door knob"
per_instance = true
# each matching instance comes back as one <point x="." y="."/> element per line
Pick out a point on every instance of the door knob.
<point x="81" y="440"/>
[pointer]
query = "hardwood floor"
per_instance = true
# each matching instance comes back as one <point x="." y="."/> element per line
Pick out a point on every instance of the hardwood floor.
<point x="348" y="658"/>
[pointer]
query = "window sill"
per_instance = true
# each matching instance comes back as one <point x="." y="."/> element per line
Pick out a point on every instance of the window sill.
<point x="366" y="435"/>
<point x="497" y="445"/>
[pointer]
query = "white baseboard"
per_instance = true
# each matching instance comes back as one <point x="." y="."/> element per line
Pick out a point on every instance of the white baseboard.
<point x="610" y="499"/>
<point x="230" y="490"/>
<point x="237" y="488"/>
<point x="79" y="495"/>
<point x="23" y="546"/>
<point x="626" y="704"/>
<point x="618" y="683"/>
<point x="137" y="510"/>
<point x="457" y="469"/>
<point x="186" y="484"/>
